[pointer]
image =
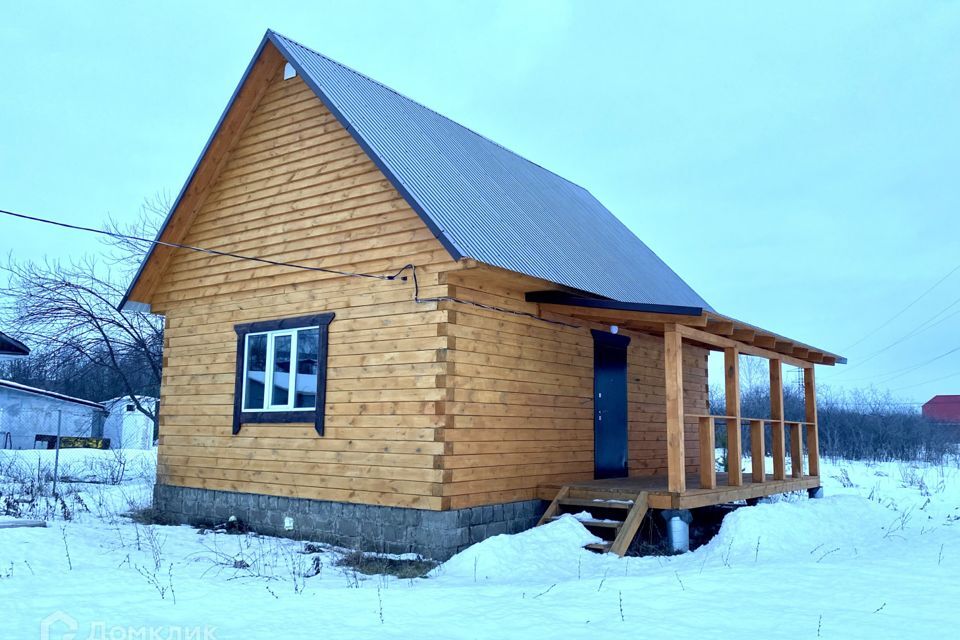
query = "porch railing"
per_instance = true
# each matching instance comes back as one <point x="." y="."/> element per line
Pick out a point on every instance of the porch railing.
<point x="676" y="416"/>
<point x="758" y="473"/>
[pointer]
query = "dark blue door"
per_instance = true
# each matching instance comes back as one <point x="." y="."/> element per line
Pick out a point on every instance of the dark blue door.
<point x="610" y="404"/>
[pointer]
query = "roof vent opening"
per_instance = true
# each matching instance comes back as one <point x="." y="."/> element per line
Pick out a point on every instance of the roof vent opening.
<point x="289" y="71"/>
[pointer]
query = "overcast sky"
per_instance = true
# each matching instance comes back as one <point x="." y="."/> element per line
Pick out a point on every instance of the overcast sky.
<point x="796" y="163"/>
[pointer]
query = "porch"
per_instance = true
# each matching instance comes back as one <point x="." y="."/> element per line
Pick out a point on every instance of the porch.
<point x="794" y="444"/>
<point x="659" y="495"/>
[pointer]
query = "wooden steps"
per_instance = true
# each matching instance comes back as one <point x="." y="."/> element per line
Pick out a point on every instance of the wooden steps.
<point x="614" y="518"/>
<point x="599" y="503"/>
<point x="609" y="524"/>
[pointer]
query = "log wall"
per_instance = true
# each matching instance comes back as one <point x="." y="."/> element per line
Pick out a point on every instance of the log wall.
<point x="435" y="405"/>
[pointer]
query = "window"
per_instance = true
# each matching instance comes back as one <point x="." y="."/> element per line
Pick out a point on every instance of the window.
<point x="281" y="371"/>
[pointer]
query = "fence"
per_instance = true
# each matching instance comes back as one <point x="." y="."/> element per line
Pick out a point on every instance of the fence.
<point x="31" y="425"/>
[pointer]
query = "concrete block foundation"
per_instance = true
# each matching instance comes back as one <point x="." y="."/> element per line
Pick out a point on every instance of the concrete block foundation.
<point x="433" y="534"/>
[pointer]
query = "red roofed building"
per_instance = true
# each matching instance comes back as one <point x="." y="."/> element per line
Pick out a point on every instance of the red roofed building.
<point x="942" y="409"/>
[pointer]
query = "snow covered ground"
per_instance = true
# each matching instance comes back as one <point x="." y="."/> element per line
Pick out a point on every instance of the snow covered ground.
<point x="879" y="557"/>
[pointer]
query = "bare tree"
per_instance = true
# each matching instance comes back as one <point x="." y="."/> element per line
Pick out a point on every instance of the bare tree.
<point x="124" y="252"/>
<point x="68" y="312"/>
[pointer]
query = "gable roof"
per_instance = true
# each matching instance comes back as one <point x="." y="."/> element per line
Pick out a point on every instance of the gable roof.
<point x="943" y="408"/>
<point x="481" y="200"/>
<point x="11" y="347"/>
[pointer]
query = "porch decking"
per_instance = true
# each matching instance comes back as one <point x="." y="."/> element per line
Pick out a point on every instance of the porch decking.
<point x="660" y="497"/>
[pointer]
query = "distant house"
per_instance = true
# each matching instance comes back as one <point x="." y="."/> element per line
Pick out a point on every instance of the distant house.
<point x="539" y="353"/>
<point x="126" y="426"/>
<point x="26" y="412"/>
<point x="942" y="409"/>
<point x="12" y="348"/>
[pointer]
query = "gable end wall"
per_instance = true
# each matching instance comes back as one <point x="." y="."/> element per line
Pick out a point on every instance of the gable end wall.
<point x="297" y="188"/>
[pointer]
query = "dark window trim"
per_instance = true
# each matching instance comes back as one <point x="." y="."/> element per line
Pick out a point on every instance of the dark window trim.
<point x="241" y="417"/>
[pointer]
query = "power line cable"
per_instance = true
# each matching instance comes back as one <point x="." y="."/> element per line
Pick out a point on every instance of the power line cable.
<point x="904" y="309"/>
<point x="904" y="371"/>
<point x="929" y="323"/>
<point x="920" y="384"/>
<point x="277" y="263"/>
<point x="215" y="252"/>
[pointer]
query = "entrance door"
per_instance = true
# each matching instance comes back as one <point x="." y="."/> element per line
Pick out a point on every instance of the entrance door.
<point x="610" y="404"/>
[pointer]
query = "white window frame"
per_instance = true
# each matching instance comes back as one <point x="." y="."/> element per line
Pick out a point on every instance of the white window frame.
<point x="270" y="367"/>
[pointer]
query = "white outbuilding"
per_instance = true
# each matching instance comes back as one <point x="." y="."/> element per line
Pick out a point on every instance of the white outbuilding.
<point x="126" y="426"/>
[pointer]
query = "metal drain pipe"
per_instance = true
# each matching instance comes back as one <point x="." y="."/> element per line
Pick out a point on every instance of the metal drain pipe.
<point x="678" y="529"/>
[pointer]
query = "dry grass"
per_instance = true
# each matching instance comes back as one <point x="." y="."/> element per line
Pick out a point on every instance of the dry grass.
<point x="370" y="564"/>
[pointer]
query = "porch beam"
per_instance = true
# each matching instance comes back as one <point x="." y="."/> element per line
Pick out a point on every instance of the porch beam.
<point x="767" y="342"/>
<point x="813" y="430"/>
<point x="731" y="366"/>
<point x="673" y="378"/>
<point x="776" y="416"/>
<point x="721" y="342"/>
<point x="720" y="327"/>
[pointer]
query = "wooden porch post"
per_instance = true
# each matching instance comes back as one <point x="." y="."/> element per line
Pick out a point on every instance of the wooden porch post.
<point x="813" y="433"/>
<point x="731" y="361"/>
<point x="673" y="374"/>
<point x="776" y="416"/>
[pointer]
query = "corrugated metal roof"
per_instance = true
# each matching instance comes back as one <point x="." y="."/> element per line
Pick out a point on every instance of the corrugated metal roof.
<point x="485" y="202"/>
<point x="16" y="386"/>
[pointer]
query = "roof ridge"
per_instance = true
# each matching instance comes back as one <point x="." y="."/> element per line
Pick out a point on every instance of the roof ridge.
<point x="433" y="111"/>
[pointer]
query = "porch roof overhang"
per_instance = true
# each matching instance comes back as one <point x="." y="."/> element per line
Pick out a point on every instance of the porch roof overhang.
<point x="696" y="325"/>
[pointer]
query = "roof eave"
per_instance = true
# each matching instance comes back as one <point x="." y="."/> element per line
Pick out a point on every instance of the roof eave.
<point x="561" y="297"/>
<point x="705" y="321"/>
<point x="12" y="348"/>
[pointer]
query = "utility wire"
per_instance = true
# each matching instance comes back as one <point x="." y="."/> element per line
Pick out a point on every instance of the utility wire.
<point x="920" y="384"/>
<point x="929" y="323"/>
<point x="215" y="252"/>
<point x="277" y="263"/>
<point x="903" y="310"/>
<point x="899" y="373"/>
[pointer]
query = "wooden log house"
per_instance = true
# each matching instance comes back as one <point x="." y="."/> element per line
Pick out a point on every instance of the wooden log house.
<point x="436" y="337"/>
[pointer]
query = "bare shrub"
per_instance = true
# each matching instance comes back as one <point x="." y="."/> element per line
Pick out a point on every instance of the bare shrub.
<point x="856" y="425"/>
<point x="109" y="469"/>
